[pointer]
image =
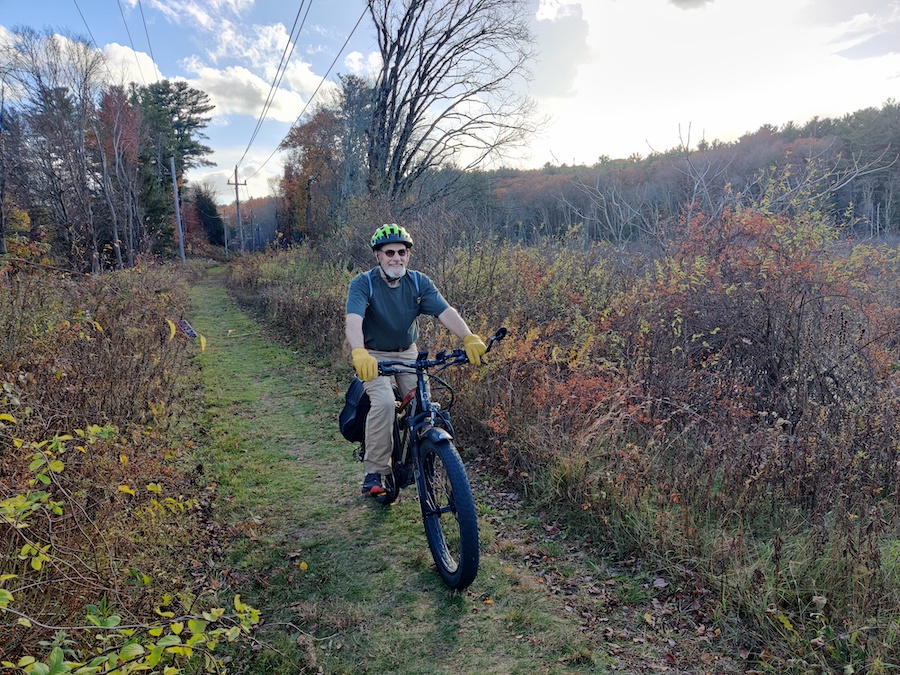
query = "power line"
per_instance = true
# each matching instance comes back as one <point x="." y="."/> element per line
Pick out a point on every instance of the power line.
<point x="131" y="42"/>
<point x="88" y="28"/>
<point x="146" y="32"/>
<point x="279" y="73"/>
<point x="97" y="46"/>
<point x="324" y="77"/>
<point x="93" y="40"/>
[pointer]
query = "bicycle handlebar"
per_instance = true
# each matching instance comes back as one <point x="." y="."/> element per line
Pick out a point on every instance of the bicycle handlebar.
<point x="442" y="358"/>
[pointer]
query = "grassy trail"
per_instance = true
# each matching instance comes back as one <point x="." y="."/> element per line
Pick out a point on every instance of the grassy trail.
<point x="347" y="586"/>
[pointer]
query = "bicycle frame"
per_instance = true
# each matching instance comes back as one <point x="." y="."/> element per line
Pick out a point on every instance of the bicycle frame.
<point x="417" y="413"/>
<point x="424" y="454"/>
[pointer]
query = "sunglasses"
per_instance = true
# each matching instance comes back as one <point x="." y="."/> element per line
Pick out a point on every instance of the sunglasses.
<point x="390" y="252"/>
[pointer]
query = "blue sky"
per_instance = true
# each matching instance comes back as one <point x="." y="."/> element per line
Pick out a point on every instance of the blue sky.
<point x="614" y="77"/>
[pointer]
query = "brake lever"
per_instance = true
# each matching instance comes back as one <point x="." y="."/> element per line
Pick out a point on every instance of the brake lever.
<point x="496" y="337"/>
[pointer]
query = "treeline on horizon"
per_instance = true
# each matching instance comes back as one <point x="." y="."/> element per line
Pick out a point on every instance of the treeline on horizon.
<point x="850" y="162"/>
<point x="846" y="168"/>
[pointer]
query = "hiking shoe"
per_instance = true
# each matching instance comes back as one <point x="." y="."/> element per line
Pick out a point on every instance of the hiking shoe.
<point x="372" y="485"/>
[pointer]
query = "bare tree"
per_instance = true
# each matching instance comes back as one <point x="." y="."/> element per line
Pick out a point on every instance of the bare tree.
<point x="446" y="92"/>
<point x="59" y="78"/>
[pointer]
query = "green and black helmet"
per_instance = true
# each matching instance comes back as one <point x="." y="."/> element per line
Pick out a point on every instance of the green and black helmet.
<point x="390" y="234"/>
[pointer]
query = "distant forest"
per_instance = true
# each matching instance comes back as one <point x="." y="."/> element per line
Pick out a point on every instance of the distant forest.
<point x="845" y="169"/>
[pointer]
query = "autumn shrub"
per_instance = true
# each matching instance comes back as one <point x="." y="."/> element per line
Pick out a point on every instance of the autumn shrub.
<point x="545" y="382"/>
<point x="102" y="511"/>
<point x="92" y="349"/>
<point x="299" y="291"/>
<point x="734" y="409"/>
<point x="771" y="344"/>
<point x="763" y="351"/>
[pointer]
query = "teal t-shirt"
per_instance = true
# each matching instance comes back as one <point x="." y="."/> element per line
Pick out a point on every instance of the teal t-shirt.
<point x="389" y="314"/>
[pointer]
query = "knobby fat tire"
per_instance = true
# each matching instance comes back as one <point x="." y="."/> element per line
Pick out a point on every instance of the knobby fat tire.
<point x="453" y="532"/>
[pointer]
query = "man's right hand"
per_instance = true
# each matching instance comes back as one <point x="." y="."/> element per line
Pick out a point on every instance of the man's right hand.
<point x="365" y="364"/>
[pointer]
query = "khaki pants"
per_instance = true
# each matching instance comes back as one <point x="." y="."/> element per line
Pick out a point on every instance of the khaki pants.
<point x="380" y="421"/>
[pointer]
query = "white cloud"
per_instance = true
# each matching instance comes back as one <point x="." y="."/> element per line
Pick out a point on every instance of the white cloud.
<point x="562" y="38"/>
<point x="364" y="66"/>
<point x="238" y="91"/>
<point x="126" y="65"/>
<point x="205" y="14"/>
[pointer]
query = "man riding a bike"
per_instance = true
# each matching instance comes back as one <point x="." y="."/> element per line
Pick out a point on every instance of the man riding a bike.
<point x="382" y="308"/>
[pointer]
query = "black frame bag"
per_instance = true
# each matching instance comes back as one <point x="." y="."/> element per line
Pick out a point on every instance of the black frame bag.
<point x="352" y="419"/>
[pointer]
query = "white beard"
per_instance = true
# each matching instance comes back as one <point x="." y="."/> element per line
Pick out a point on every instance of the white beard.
<point x="395" y="273"/>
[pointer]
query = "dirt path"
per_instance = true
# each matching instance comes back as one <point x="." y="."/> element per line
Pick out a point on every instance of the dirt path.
<point x="347" y="586"/>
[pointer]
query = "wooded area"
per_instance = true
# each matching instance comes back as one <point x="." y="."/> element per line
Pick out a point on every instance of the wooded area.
<point x="845" y="168"/>
<point x="86" y="166"/>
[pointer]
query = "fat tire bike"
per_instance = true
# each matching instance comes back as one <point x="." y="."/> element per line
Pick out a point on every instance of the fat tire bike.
<point x="424" y="455"/>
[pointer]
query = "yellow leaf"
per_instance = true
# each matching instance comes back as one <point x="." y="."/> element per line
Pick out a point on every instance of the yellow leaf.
<point x="97" y="326"/>
<point x="154" y="487"/>
<point x="786" y="622"/>
<point x="177" y="627"/>
<point x="238" y="605"/>
<point x="171" y="329"/>
<point x="6" y="417"/>
<point x="123" y="459"/>
<point x="125" y="488"/>
<point x="649" y="618"/>
<point x="24" y="622"/>
<point x="202" y="344"/>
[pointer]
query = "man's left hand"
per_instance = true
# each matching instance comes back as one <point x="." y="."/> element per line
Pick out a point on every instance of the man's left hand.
<point x="474" y="347"/>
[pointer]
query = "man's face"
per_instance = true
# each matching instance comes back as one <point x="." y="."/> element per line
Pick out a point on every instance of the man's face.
<point x="393" y="259"/>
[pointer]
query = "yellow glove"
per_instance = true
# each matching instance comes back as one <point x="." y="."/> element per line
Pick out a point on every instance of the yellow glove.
<point x="474" y="347"/>
<point x="365" y="364"/>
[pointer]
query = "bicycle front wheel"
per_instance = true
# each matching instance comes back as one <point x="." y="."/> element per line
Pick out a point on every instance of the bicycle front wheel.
<point x="448" y="513"/>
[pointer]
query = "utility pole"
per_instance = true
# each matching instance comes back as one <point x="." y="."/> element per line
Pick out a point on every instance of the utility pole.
<point x="225" y="233"/>
<point x="237" y="202"/>
<point x="177" y="210"/>
<point x="3" y="249"/>
<point x="309" y="182"/>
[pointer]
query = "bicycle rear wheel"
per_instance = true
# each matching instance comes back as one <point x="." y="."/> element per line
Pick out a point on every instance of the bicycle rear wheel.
<point x="448" y="513"/>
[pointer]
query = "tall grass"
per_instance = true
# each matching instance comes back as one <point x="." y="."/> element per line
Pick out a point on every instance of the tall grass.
<point x="299" y="291"/>
<point x="730" y="408"/>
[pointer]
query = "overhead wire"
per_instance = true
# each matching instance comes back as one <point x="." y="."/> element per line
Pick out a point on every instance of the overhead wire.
<point x="279" y="73"/>
<point x="316" y="91"/>
<point x="87" y="27"/>
<point x="131" y="42"/>
<point x="93" y="39"/>
<point x="147" y="33"/>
